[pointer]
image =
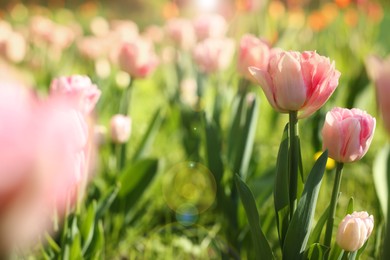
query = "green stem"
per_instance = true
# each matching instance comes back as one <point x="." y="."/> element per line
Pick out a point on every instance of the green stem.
<point x="293" y="160"/>
<point x="124" y="109"/>
<point x="333" y="206"/>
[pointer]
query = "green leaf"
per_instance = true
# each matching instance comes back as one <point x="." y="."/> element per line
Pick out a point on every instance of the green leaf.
<point x="97" y="244"/>
<point x="281" y="190"/>
<point x="261" y="246"/>
<point x="247" y="138"/>
<point x="106" y="202"/>
<point x="134" y="181"/>
<point x="213" y="149"/>
<point x="299" y="229"/>
<point x="149" y="136"/>
<point x="315" y="252"/>
<point x="235" y="127"/>
<point x="53" y="245"/>
<point x="316" y="233"/>
<point x="75" y="249"/>
<point x="88" y="226"/>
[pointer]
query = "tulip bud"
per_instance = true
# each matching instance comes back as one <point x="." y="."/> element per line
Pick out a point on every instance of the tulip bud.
<point x="120" y="128"/>
<point x="252" y="52"/>
<point x="210" y="26"/>
<point x="181" y="32"/>
<point x="347" y="134"/>
<point x="213" y="55"/>
<point x="297" y="81"/>
<point x="138" y="58"/>
<point x="354" y="230"/>
<point x="79" y="88"/>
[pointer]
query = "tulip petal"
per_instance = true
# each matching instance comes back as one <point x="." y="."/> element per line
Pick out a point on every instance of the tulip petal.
<point x="351" y="149"/>
<point x="291" y="89"/>
<point x="265" y="82"/>
<point x="322" y="93"/>
<point x="332" y="138"/>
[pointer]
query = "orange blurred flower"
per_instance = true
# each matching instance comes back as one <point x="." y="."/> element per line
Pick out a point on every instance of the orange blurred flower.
<point x="329" y="12"/>
<point x="170" y="10"/>
<point x="342" y="3"/>
<point x="276" y="9"/>
<point x="316" y="21"/>
<point x="374" y="12"/>
<point x="351" y="17"/>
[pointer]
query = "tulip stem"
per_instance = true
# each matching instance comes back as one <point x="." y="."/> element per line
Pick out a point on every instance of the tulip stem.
<point x="333" y="206"/>
<point x="293" y="160"/>
<point x="125" y="110"/>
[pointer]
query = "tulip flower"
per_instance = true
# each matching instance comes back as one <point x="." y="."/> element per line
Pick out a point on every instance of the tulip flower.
<point x="43" y="162"/>
<point x="297" y="81"/>
<point x="379" y="72"/>
<point x="120" y="126"/>
<point x="213" y="55"/>
<point x="181" y="32"/>
<point x="354" y="230"/>
<point x="80" y="89"/>
<point x="210" y="26"/>
<point x="138" y="58"/>
<point x="252" y="52"/>
<point x="347" y="134"/>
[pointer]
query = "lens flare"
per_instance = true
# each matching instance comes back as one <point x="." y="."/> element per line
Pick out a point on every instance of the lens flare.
<point x="189" y="188"/>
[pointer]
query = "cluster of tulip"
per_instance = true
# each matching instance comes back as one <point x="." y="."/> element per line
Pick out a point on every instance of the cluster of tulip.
<point x="53" y="137"/>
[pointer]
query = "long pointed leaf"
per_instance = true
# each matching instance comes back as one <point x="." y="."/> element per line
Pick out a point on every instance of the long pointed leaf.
<point x="248" y="136"/>
<point x="213" y="149"/>
<point x="299" y="229"/>
<point x="149" y="136"/>
<point x="261" y="246"/>
<point x="316" y="233"/>
<point x="281" y="190"/>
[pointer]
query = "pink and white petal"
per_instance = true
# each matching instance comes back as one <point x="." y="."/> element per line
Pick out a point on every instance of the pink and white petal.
<point x="265" y="82"/>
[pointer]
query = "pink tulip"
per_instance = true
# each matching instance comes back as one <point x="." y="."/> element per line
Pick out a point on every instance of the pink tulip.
<point x="297" y="81"/>
<point x="210" y="26"/>
<point x="80" y="89"/>
<point x="120" y="126"/>
<point x="181" y="32"/>
<point x="44" y="157"/>
<point x="354" y="230"/>
<point x="212" y="55"/>
<point x="138" y="58"/>
<point x="252" y="52"/>
<point x="379" y="72"/>
<point x="347" y="134"/>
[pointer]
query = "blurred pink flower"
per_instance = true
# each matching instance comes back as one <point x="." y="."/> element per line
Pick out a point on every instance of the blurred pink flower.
<point x="80" y="89"/>
<point x="120" y="128"/>
<point x="154" y="34"/>
<point x="138" y="58"/>
<point x="212" y="55"/>
<point x="354" y="230"/>
<point x="181" y="32"/>
<point x="252" y="52"/>
<point x="93" y="47"/>
<point x="297" y="81"/>
<point x="210" y="26"/>
<point x="44" y="154"/>
<point x="379" y="71"/>
<point x="126" y="30"/>
<point x="347" y="134"/>
<point x="60" y="37"/>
